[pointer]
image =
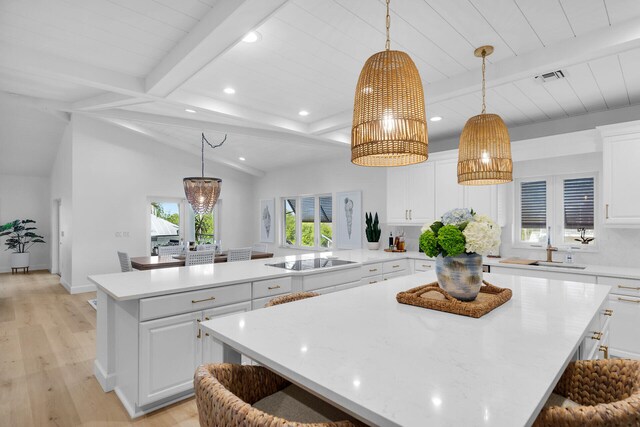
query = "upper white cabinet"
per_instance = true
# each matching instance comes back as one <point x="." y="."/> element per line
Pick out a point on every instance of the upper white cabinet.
<point x="620" y="175"/>
<point x="410" y="194"/>
<point x="449" y="194"/>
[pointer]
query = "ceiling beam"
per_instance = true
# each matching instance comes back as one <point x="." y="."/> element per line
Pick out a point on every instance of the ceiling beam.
<point x="43" y="64"/>
<point x="218" y="31"/>
<point x="108" y="100"/>
<point x="58" y="109"/>
<point x="279" y="135"/>
<point x="597" y="44"/>
<point x="171" y="141"/>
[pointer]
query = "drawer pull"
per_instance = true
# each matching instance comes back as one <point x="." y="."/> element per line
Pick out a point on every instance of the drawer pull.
<point x="373" y="269"/>
<point x="605" y="350"/>
<point x="608" y="312"/>
<point x="195" y="301"/>
<point x="199" y="330"/>
<point x="426" y="265"/>
<point x="596" y="336"/>
<point x="635" y="288"/>
<point x="398" y="266"/>
<point x="629" y="300"/>
<point x="273" y="287"/>
<point x="375" y="281"/>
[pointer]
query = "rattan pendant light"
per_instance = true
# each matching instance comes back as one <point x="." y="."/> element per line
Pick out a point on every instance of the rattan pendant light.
<point x="484" y="155"/>
<point x="202" y="192"/>
<point x="389" y="124"/>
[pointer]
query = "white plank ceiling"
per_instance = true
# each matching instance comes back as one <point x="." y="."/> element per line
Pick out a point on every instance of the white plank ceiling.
<point x="308" y="57"/>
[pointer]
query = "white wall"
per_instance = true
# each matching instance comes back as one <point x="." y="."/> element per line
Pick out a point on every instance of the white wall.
<point x="325" y="176"/>
<point x="60" y="182"/>
<point x="114" y="174"/>
<point x="26" y="197"/>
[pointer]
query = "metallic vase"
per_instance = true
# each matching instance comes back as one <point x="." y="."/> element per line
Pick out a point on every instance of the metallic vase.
<point x="460" y="276"/>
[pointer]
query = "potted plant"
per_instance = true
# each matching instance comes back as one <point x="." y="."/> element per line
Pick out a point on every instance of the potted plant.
<point x="21" y="237"/>
<point x="373" y="231"/>
<point x="458" y="241"/>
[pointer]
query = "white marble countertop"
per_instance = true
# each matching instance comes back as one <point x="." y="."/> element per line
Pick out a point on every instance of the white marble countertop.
<point x="142" y="284"/>
<point x="397" y="365"/>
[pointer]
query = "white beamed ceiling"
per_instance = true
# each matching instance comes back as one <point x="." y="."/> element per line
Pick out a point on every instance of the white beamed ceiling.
<point x="309" y="57"/>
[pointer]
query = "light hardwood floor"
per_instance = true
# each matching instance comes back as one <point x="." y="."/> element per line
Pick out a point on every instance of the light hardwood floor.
<point x="47" y="348"/>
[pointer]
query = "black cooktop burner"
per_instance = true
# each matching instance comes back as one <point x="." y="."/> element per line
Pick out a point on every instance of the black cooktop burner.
<point x="310" y="264"/>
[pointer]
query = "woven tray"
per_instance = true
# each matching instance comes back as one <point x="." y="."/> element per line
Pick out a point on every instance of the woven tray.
<point x="435" y="298"/>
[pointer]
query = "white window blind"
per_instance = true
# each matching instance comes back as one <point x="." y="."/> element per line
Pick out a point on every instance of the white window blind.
<point x="533" y="199"/>
<point x="578" y="203"/>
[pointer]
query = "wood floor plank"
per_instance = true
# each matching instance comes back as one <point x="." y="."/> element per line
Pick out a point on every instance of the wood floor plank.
<point x="47" y="349"/>
<point x="7" y="311"/>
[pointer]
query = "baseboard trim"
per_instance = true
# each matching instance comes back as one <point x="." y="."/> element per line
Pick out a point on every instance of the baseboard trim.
<point x="82" y="289"/>
<point x="107" y="382"/>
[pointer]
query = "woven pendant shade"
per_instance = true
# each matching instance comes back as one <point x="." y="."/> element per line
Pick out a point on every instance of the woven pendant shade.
<point x="484" y="155"/>
<point x="202" y="193"/>
<point x="389" y="124"/>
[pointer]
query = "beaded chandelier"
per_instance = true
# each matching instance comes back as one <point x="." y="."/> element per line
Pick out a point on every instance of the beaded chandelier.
<point x="203" y="192"/>
<point x="389" y="122"/>
<point x="484" y="154"/>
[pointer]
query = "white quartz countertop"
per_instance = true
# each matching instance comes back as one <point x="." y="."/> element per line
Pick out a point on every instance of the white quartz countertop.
<point x="398" y="365"/>
<point x="143" y="284"/>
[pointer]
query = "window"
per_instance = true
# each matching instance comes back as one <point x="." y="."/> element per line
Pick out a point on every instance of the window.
<point x="563" y="205"/>
<point x="165" y="223"/>
<point x="307" y="221"/>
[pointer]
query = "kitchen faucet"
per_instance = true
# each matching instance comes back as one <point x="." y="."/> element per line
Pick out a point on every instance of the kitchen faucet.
<point x="550" y="249"/>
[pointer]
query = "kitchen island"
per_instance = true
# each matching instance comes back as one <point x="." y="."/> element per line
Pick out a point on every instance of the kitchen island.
<point x="150" y="339"/>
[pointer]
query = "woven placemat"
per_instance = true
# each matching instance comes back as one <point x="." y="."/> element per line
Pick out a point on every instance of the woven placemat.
<point x="434" y="297"/>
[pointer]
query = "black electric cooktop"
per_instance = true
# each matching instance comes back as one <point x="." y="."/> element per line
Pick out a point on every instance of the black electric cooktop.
<point x="310" y="264"/>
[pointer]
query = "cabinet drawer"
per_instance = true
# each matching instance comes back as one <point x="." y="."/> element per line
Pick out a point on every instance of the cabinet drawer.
<point x="347" y="286"/>
<point x="265" y="288"/>
<point x="394" y="274"/>
<point x="332" y="278"/>
<point x="167" y="305"/>
<point x="624" y="325"/>
<point x="372" y="269"/>
<point x="371" y="280"/>
<point x="629" y="287"/>
<point x="423" y="265"/>
<point x="393" y="266"/>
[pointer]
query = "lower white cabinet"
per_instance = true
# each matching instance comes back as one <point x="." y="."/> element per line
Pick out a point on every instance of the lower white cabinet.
<point x="170" y="350"/>
<point x="420" y="265"/>
<point x="625" y="337"/>
<point x="553" y="275"/>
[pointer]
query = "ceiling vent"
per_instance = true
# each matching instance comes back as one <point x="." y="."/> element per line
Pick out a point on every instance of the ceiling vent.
<point x="550" y="76"/>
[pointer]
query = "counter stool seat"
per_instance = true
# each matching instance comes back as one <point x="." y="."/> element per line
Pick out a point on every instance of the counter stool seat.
<point x="607" y="393"/>
<point x="296" y="296"/>
<point x="225" y="394"/>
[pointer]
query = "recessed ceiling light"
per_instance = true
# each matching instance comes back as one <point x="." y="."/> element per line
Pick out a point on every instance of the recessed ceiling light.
<point x="242" y="159"/>
<point x="251" y="37"/>
<point x="303" y="112"/>
<point x="189" y="110"/>
<point x="229" y="90"/>
<point x="435" y="118"/>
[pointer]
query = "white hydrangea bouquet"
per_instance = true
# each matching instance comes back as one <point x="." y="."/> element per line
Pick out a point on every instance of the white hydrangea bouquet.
<point x="460" y="231"/>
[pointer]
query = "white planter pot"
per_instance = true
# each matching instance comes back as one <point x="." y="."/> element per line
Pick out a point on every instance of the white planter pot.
<point x="373" y="246"/>
<point x="19" y="260"/>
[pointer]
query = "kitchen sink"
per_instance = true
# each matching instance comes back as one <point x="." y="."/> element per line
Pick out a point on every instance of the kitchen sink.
<point x="560" y="265"/>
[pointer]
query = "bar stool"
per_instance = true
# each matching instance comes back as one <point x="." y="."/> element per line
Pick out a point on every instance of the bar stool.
<point x="605" y="392"/>
<point x="232" y="396"/>
<point x="290" y="298"/>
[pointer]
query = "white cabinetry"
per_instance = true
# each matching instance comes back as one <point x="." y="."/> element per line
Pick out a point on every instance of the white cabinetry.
<point x="172" y="347"/>
<point x="449" y="194"/>
<point x="486" y="200"/>
<point x="410" y="194"/>
<point x="620" y="175"/>
<point x="624" y="300"/>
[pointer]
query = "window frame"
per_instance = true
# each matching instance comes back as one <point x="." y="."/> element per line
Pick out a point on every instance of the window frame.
<point x="316" y="222"/>
<point x="555" y="212"/>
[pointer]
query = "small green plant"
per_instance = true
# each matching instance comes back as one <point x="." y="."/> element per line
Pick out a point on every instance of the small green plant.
<point x="22" y="236"/>
<point x="373" y="227"/>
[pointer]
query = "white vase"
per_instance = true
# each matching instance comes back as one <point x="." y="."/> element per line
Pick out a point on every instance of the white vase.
<point x="19" y="260"/>
<point x="373" y="246"/>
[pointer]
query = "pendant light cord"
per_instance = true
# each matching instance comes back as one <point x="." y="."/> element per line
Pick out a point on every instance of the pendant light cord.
<point x="387" y="45"/>
<point x="484" y="94"/>
<point x="204" y="139"/>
